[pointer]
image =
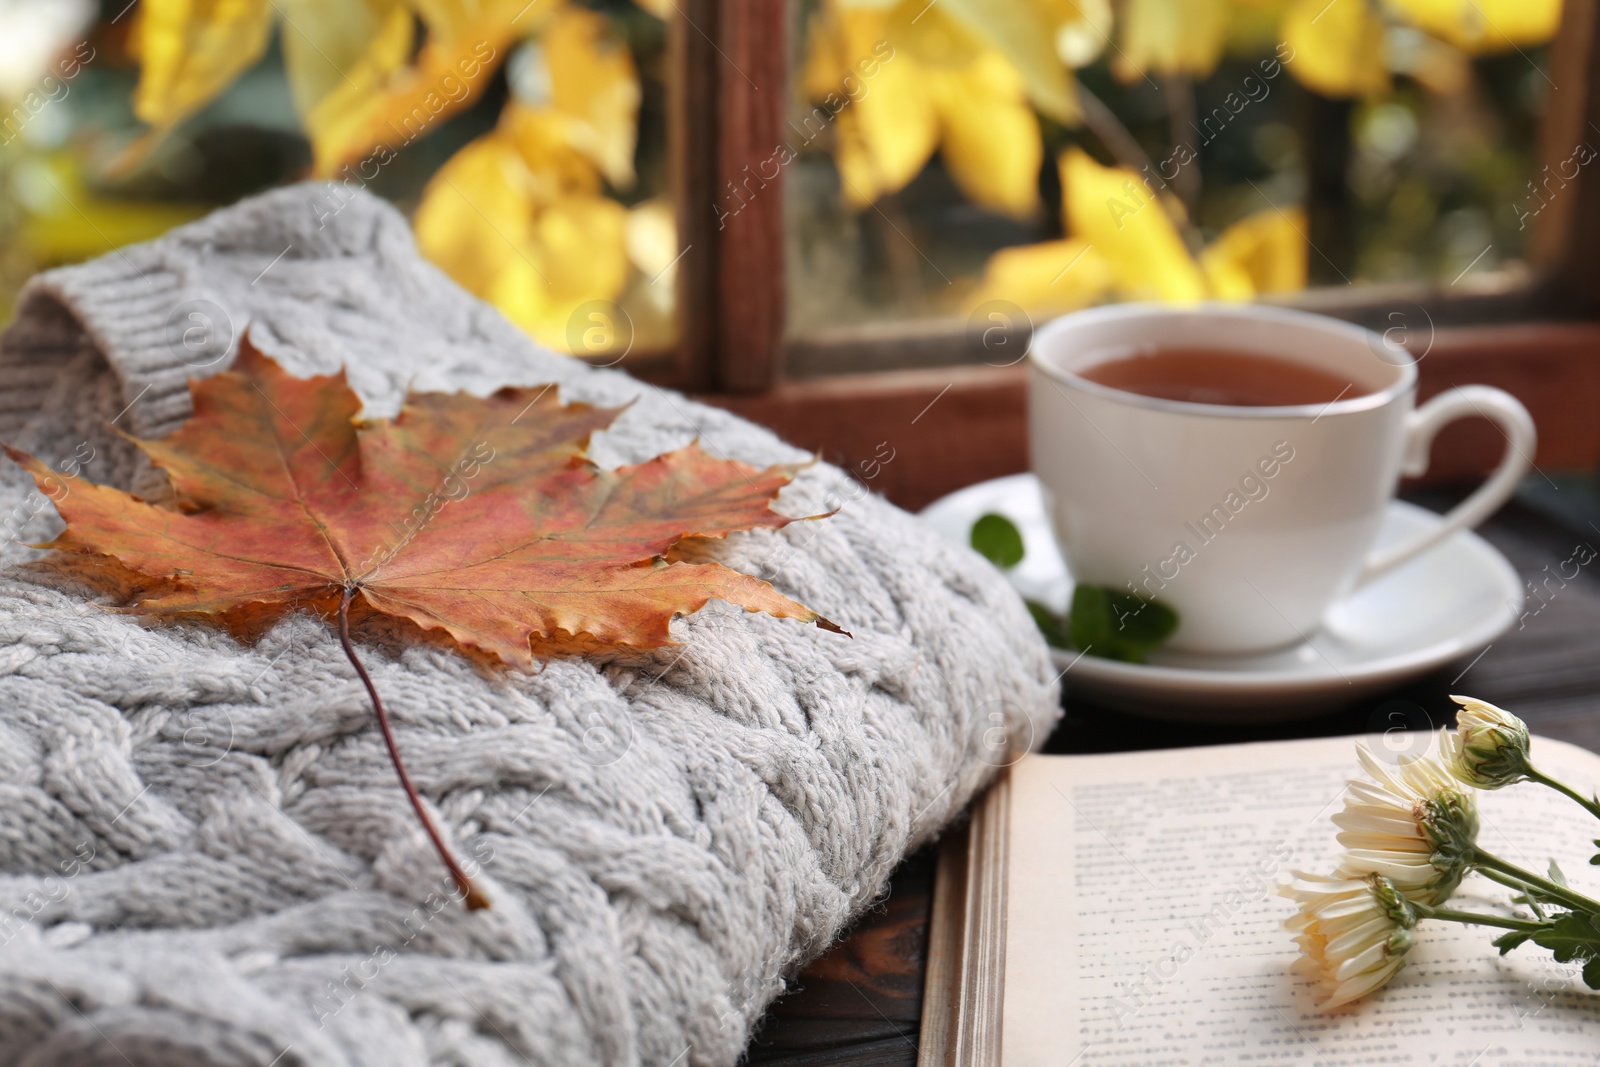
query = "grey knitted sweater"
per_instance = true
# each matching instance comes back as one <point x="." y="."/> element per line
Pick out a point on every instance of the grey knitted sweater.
<point x="204" y="855"/>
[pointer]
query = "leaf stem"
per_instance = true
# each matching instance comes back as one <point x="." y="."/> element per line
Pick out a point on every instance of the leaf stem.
<point x="1527" y="881"/>
<point x="1179" y="89"/>
<point x="475" y="900"/>
<point x="1592" y="807"/>
<point x="1513" y="883"/>
<point x="1477" y="919"/>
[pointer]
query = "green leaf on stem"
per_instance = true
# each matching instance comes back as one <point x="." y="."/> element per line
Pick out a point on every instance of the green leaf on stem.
<point x="1571" y="937"/>
<point x="1511" y="939"/>
<point x="1532" y="902"/>
<point x="1049" y="623"/>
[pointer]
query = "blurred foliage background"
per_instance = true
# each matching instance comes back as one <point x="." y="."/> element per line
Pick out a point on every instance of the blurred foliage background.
<point x="1059" y="153"/>
<point x="526" y="140"/>
<point x="1051" y="153"/>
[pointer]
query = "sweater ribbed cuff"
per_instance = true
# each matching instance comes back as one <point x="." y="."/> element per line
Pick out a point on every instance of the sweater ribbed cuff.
<point x="121" y="307"/>
<point x="174" y="308"/>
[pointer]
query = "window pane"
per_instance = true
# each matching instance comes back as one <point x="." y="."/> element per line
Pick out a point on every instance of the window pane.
<point x="526" y="141"/>
<point x="958" y="157"/>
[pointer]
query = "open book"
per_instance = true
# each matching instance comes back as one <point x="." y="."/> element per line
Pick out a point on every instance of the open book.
<point x="1118" y="910"/>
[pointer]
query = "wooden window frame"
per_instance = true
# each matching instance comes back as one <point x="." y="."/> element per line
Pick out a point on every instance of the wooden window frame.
<point x="1538" y="338"/>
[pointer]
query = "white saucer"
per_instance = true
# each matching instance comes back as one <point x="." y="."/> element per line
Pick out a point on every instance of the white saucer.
<point x="1447" y="604"/>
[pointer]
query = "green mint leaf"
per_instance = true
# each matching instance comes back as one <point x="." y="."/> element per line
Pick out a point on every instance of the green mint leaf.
<point x="1089" y="619"/>
<point x="1149" y="622"/>
<point x="1591" y="973"/>
<point x="997" y="539"/>
<point x="1049" y="623"/>
<point x="1116" y="625"/>
<point x="1556" y="876"/>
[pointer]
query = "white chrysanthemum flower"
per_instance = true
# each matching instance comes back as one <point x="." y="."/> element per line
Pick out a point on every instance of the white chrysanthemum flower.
<point x="1490" y="746"/>
<point x="1354" y="932"/>
<point x="1413" y="824"/>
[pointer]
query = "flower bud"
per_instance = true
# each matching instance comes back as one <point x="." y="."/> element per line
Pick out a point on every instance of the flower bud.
<point x="1393" y="903"/>
<point x="1490" y="746"/>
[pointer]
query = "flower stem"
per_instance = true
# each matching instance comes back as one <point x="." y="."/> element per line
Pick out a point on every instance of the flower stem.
<point x="1590" y="806"/>
<point x="1514" y="883"/>
<point x="1527" y="880"/>
<point x="1451" y="915"/>
<point x="475" y="900"/>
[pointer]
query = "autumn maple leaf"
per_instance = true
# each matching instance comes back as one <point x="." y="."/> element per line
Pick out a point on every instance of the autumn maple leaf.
<point x="477" y="517"/>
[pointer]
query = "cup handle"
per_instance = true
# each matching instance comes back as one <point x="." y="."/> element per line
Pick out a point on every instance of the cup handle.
<point x="1500" y="408"/>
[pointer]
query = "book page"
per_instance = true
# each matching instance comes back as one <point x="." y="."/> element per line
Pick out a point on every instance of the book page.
<point x="1142" y="930"/>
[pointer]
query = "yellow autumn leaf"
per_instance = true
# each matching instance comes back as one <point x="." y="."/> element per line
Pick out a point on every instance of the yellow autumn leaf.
<point x="1480" y="26"/>
<point x="467" y="40"/>
<point x="1082" y="29"/>
<point x="834" y="34"/>
<point x="513" y="218"/>
<point x="1253" y="27"/>
<point x="651" y="240"/>
<point x="1262" y="253"/>
<point x="456" y="20"/>
<point x="1124" y="244"/>
<point x="1171" y="37"/>
<point x="474" y="216"/>
<point x="1025" y="32"/>
<point x="1337" y="47"/>
<point x="1049" y="278"/>
<point x="933" y="84"/>
<point x="886" y="126"/>
<point x="339" y="58"/>
<point x="583" y="241"/>
<point x="592" y="78"/>
<point x="990" y="138"/>
<point x="190" y="50"/>
<point x="652" y="236"/>
<point x="548" y="141"/>
<point x="520" y="291"/>
<point x="874" y="166"/>
<point x="1112" y="209"/>
<point x="1225" y="279"/>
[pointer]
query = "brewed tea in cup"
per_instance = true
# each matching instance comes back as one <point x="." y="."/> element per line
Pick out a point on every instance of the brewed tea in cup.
<point x="1235" y="461"/>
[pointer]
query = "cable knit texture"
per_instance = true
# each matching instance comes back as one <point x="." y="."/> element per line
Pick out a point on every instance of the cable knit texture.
<point x="205" y="858"/>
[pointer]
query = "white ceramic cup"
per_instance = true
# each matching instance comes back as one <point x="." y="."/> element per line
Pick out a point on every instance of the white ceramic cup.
<point x="1249" y="521"/>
